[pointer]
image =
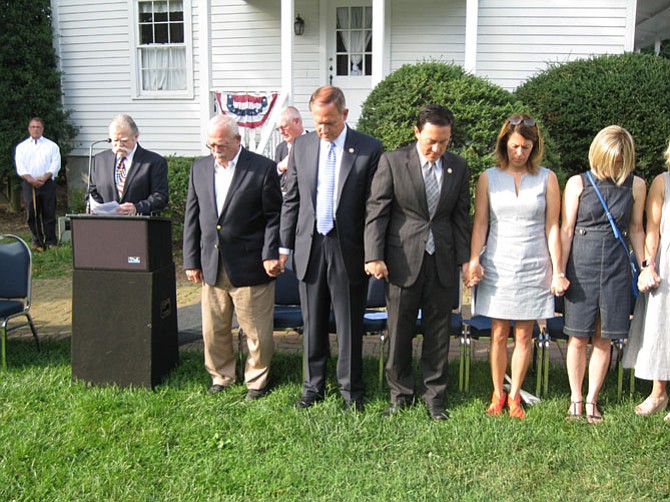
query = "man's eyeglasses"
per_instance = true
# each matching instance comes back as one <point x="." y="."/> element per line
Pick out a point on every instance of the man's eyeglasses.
<point x="518" y="120"/>
<point x="217" y="146"/>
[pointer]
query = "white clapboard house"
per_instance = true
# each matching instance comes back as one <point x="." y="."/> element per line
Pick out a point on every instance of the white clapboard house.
<point x="165" y="62"/>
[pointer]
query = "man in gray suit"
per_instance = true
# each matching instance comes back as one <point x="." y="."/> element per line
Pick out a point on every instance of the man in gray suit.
<point x="327" y="185"/>
<point x="417" y="233"/>
<point x="231" y="240"/>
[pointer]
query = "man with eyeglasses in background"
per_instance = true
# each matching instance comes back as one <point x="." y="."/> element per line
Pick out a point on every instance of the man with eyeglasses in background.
<point x="231" y="247"/>
<point x="127" y="173"/>
<point x="290" y="127"/>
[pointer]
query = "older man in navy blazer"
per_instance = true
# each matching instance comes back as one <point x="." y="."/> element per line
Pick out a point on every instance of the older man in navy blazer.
<point x="417" y="234"/>
<point x="231" y="241"/>
<point x="327" y="185"/>
<point x="134" y="177"/>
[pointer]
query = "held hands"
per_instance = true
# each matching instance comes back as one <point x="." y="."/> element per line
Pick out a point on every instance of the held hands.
<point x="648" y="279"/>
<point x="274" y="267"/>
<point x="377" y="268"/>
<point x="475" y="273"/>
<point x="194" y="275"/>
<point x="559" y="284"/>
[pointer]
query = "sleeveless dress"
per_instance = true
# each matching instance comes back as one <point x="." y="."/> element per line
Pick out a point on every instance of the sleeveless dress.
<point x="516" y="261"/>
<point x="648" y="349"/>
<point x="598" y="268"/>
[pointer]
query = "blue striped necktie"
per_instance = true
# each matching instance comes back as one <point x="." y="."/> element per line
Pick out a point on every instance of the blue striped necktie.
<point x="326" y="193"/>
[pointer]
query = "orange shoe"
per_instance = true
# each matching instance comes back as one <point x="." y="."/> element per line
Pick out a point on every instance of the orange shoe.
<point x="515" y="409"/>
<point x="497" y="404"/>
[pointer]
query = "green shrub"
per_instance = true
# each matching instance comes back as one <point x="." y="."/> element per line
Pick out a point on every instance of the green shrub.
<point x="178" y="172"/>
<point x="575" y="100"/>
<point x="480" y="107"/>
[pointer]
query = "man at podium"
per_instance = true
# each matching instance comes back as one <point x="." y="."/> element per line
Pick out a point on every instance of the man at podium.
<point x="231" y="241"/>
<point x="135" y="178"/>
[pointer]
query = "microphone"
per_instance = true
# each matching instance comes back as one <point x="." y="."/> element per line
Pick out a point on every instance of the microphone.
<point x="90" y="162"/>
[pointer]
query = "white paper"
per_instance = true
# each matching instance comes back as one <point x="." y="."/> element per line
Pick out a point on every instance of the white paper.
<point x="103" y="208"/>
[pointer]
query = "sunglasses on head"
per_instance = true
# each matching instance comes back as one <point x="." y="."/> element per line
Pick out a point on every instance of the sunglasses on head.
<point x="518" y="120"/>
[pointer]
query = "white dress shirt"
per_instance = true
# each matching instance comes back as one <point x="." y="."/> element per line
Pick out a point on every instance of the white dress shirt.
<point x="37" y="157"/>
<point x="223" y="177"/>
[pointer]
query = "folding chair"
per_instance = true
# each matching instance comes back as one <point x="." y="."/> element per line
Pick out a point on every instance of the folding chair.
<point x="472" y="327"/>
<point x="555" y="334"/>
<point x="375" y="318"/>
<point x="287" y="313"/>
<point x="541" y="356"/>
<point x="15" y="284"/>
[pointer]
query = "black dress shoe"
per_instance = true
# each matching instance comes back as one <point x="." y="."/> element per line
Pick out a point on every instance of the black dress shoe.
<point x="396" y="407"/>
<point x="216" y="388"/>
<point x="308" y="401"/>
<point x="438" y="413"/>
<point x="253" y="394"/>
<point x="354" y="405"/>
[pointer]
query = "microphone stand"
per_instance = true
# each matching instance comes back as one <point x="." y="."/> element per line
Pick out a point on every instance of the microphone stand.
<point x="90" y="162"/>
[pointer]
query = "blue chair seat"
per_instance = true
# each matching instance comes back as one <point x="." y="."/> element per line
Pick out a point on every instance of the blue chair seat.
<point x="10" y="307"/>
<point x="287" y="317"/>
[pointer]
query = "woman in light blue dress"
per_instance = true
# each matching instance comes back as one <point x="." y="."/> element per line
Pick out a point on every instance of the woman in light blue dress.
<point x="518" y="266"/>
<point x="648" y="349"/>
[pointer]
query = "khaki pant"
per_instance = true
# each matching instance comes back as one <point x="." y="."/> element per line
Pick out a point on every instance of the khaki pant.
<point x="254" y="306"/>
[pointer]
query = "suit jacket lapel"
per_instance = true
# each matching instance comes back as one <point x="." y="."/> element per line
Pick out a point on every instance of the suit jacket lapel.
<point x="447" y="179"/>
<point x="349" y="154"/>
<point x="131" y="170"/>
<point x="416" y="177"/>
<point x="209" y="176"/>
<point x="311" y="174"/>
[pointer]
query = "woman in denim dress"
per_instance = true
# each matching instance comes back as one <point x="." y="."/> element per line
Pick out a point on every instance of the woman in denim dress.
<point x="599" y="300"/>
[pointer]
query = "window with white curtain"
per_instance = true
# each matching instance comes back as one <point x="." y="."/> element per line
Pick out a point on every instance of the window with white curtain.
<point x="354" y="41"/>
<point x="162" y="47"/>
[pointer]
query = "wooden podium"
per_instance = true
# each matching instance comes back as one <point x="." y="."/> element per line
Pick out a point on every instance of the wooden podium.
<point x="124" y="301"/>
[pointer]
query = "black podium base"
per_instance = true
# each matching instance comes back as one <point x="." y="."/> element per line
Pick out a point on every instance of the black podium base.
<point x="124" y="326"/>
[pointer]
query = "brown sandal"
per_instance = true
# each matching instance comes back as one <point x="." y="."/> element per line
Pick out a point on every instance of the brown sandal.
<point x="572" y="413"/>
<point x="595" y="416"/>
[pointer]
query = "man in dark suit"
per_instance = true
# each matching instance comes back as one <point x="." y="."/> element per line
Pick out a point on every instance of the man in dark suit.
<point x="327" y="185"/>
<point x="290" y="127"/>
<point x="417" y="233"/>
<point x="134" y="177"/>
<point x="231" y="240"/>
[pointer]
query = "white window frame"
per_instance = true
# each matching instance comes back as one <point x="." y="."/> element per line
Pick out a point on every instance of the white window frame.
<point x="135" y="57"/>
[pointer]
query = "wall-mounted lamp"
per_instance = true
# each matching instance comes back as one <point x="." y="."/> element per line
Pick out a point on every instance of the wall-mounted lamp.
<point x="299" y="26"/>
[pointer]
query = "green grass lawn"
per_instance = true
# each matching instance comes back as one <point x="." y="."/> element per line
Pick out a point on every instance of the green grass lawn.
<point x="61" y="440"/>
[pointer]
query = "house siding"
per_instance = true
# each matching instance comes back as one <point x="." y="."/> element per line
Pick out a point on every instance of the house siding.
<point x="519" y="39"/>
<point x="429" y="30"/>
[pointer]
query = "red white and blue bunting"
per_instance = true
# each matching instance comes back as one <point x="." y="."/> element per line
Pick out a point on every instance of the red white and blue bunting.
<point x="249" y="110"/>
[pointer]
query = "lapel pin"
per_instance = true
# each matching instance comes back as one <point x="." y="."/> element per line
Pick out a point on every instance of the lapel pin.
<point x="450" y="170"/>
<point x="351" y="150"/>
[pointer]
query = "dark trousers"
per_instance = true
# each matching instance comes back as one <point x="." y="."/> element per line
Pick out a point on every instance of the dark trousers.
<point x="403" y="306"/>
<point x="42" y="223"/>
<point x="326" y="282"/>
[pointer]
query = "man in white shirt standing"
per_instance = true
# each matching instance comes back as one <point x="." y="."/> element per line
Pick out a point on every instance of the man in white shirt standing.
<point x="38" y="162"/>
